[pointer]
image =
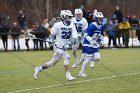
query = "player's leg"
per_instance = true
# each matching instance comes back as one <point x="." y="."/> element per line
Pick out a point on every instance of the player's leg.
<point x="82" y="58"/>
<point x="66" y="57"/>
<point x="74" y="49"/>
<point x="75" y="59"/>
<point x="56" y="57"/>
<point x="91" y="63"/>
<point x="82" y="72"/>
<point x="96" y="56"/>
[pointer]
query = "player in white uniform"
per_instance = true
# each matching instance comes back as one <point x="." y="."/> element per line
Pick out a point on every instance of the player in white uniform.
<point x="81" y="25"/>
<point x="65" y="34"/>
<point x="92" y="40"/>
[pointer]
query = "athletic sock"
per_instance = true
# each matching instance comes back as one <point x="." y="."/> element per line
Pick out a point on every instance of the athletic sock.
<point x="41" y="68"/>
<point x="67" y="73"/>
<point x="85" y="63"/>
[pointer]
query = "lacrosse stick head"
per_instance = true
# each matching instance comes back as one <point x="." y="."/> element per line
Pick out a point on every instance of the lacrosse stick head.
<point x="26" y="34"/>
<point x="29" y="35"/>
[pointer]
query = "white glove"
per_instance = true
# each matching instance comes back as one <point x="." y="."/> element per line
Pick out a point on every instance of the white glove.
<point x="89" y="38"/>
<point x="79" y="36"/>
<point x="93" y="43"/>
<point x="50" y="40"/>
<point x="101" y="44"/>
<point x="33" y="36"/>
<point x="67" y="45"/>
<point x="75" y="45"/>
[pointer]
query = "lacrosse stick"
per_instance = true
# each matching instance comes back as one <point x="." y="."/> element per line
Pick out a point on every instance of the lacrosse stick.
<point x="29" y="35"/>
<point x="97" y="41"/>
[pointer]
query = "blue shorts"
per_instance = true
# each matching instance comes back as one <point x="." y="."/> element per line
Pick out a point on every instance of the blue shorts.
<point x="89" y="50"/>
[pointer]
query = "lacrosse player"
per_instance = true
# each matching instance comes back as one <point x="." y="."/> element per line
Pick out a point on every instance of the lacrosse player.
<point x="81" y="25"/>
<point x="92" y="40"/>
<point x="65" y="34"/>
<point x="82" y="58"/>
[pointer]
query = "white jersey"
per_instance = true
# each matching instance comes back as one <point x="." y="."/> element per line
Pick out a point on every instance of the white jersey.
<point x="64" y="33"/>
<point x="81" y="25"/>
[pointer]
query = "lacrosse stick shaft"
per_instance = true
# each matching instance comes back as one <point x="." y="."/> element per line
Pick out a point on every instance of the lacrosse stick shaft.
<point x="29" y="35"/>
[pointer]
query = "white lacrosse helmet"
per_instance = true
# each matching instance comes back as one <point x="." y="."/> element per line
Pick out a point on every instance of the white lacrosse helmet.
<point x="98" y="17"/>
<point x="78" y="13"/>
<point x="95" y="10"/>
<point x="64" y="14"/>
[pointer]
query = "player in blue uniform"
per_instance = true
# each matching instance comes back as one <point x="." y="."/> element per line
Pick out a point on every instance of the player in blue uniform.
<point x="92" y="40"/>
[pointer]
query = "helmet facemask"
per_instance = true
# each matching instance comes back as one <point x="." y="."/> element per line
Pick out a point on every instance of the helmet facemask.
<point x="99" y="20"/>
<point x="68" y="19"/>
<point x="98" y="17"/>
<point x="78" y="14"/>
<point x="66" y="15"/>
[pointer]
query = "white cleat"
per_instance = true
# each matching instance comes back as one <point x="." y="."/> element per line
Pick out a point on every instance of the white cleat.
<point x="82" y="75"/>
<point x="36" y="72"/>
<point x="70" y="78"/>
<point x="92" y="64"/>
<point x="74" y="65"/>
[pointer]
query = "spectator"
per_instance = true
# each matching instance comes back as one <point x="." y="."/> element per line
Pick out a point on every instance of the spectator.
<point x="89" y="17"/>
<point x="118" y="14"/>
<point x="27" y="38"/>
<point x="41" y="34"/>
<point x="51" y="23"/>
<point x="138" y="32"/>
<point x="134" y="24"/>
<point x="45" y="26"/>
<point x="105" y="22"/>
<point x="6" y="17"/>
<point x="45" y="23"/>
<point x="114" y="18"/>
<point x="4" y="37"/>
<point x="21" y="20"/>
<point x="15" y="33"/>
<point x="84" y="11"/>
<point x="118" y="33"/>
<point x="35" y="41"/>
<point x="125" y="26"/>
<point x="129" y="19"/>
<point x="58" y="19"/>
<point x="95" y="11"/>
<point x="111" y="34"/>
<point x="4" y="29"/>
<point x="134" y="21"/>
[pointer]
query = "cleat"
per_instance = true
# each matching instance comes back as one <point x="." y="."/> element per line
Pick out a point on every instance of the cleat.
<point x="82" y="75"/>
<point x="74" y="66"/>
<point x="92" y="64"/>
<point x="36" y="72"/>
<point x="70" y="78"/>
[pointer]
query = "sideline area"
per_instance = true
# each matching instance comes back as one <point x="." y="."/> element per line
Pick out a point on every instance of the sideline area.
<point x="23" y="47"/>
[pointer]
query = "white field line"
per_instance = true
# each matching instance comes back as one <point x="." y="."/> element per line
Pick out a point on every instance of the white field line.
<point x="57" y="85"/>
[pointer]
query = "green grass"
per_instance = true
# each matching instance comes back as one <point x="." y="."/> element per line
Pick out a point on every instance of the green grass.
<point x="17" y="68"/>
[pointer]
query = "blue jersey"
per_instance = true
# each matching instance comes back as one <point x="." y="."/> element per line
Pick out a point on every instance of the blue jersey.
<point x="94" y="31"/>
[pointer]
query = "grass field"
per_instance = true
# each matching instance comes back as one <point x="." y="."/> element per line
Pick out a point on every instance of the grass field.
<point x="117" y="72"/>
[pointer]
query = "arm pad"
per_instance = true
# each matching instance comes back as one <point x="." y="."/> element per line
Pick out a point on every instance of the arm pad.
<point x="88" y="38"/>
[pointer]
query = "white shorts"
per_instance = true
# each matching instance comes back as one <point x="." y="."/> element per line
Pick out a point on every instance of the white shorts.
<point x="63" y="53"/>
